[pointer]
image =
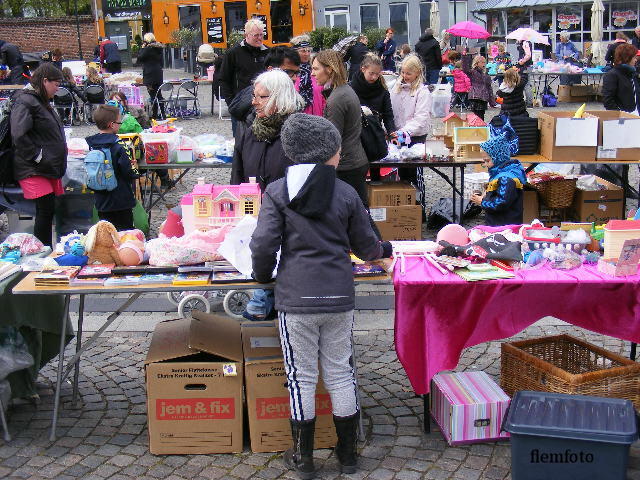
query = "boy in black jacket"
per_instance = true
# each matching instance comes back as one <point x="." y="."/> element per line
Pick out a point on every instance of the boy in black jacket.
<point x="117" y="205"/>
<point x="316" y="220"/>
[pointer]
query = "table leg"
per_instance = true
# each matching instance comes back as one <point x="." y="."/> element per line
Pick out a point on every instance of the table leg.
<point x="213" y="97"/>
<point x="427" y="413"/>
<point x="76" y="375"/>
<point x="462" y="199"/>
<point x="625" y="184"/>
<point x="632" y="354"/>
<point x="454" y="197"/>
<point x="56" y="396"/>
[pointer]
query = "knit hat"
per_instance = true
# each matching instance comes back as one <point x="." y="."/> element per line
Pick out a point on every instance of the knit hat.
<point x="498" y="149"/>
<point x="309" y="138"/>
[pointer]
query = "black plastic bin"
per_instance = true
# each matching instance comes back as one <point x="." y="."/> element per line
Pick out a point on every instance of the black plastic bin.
<point x="558" y="436"/>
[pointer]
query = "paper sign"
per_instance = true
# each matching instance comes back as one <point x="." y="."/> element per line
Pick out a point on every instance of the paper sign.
<point x="577" y="132"/>
<point x="265" y="342"/>
<point x="378" y="214"/>
<point x="607" y="152"/>
<point x="621" y="133"/>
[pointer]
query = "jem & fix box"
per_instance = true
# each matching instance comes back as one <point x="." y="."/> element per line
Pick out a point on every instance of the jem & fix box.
<point x="468" y="407"/>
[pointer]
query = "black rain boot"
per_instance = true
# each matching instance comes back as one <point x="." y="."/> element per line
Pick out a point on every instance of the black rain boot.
<point x="300" y="457"/>
<point x="347" y="431"/>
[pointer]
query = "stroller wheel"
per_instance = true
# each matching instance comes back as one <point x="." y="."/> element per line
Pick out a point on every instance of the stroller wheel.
<point x="235" y="303"/>
<point x="174" y="297"/>
<point x="193" y="302"/>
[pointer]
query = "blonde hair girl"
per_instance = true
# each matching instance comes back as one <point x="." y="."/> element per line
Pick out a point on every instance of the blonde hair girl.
<point x="511" y="77"/>
<point x="411" y="69"/>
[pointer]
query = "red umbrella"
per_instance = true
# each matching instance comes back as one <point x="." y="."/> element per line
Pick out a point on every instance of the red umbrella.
<point x="469" y="30"/>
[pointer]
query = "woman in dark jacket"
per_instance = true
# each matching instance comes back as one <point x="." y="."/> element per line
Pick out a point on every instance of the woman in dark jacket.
<point x="150" y="57"/>
<point x="620" y="85"/>
<point x="258" y="151"/>
<point x="511" y="92"/>
<point x="40" y="149"/>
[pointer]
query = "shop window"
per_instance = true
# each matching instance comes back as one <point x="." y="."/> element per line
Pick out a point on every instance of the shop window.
<point x="457" y="12"/>
<point x="569" y="18"/>
<point x="425" y="17"/>
<point x="189" y="17"/>
<point x="495" y="24"/>
<point x="624" y="16"/>
<point x="543" y="20"/>
<point x="399" y="22"/>
<point x="369" y="17"/>
<point x="281" y="21"/>
<point x="518" y="17"/>
<point x="337" y="17"/>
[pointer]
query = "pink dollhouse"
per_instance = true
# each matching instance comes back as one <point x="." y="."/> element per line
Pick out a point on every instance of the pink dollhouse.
<point x="209" y="205"/>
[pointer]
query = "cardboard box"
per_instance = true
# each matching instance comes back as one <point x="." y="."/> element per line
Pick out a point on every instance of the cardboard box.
<point x="551" y="134"/>
<point x="581" y="93"/>
<point x="598" y="206"/>
<point x="194" y="379"/>
<point x="398" y="223"/>
<point x="531" y="209"/>
<point x="614" y="153"/>
<point x="391" y="194"/>
<point x="564" y="93"/>
<point x="268" y="397"/>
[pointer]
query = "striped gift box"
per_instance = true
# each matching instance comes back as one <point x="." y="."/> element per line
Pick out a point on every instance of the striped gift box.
<point x="468" y="407"/>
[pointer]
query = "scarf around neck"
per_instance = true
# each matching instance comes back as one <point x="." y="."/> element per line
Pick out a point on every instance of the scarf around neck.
<point x="266" y="129"/>
<point x="306" y="87"/>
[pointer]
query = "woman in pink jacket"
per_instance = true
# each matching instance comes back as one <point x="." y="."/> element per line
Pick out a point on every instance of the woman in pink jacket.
<point x="411" y="102"/>
<point x="306" y="85"/>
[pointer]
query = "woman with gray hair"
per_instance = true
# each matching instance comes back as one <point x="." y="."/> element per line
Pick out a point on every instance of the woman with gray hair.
<point x="258" y="152"/>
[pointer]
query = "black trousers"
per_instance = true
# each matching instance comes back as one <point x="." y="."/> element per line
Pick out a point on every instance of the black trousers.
<point x="153" y="91"/>
<point x="45" y="210"/>
<point x="121" y="219"/>
<point x="113" y="67"/>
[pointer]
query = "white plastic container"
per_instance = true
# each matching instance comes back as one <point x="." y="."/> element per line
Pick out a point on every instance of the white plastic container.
<point x="184" y="155"/>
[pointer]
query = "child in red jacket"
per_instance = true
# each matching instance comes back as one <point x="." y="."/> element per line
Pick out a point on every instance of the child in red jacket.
<point x="461" y="85"/>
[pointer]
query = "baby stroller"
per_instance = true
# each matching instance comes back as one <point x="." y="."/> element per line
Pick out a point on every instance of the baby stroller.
<point x="234" y="302"/>
<point x="66" y="106"/>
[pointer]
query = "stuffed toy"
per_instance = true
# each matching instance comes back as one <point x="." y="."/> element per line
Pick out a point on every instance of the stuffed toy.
<point x="131" y="249"/>
<point x="73" y="247"/>
<point x="102" y="243"/>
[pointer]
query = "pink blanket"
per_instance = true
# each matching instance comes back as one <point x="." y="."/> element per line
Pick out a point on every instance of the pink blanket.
<point x="437" y="316"/>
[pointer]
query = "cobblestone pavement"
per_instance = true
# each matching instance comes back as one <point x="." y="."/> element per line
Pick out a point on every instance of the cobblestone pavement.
<point x="105" y="436"/>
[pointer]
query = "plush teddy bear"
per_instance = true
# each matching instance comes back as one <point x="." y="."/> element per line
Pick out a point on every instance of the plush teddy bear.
<point x="102" y="243"/>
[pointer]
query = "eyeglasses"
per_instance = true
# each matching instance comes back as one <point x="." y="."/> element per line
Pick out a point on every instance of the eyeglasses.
<point x="256" y="35"/>
<point x="291" y="73"/>
<point x="117" y="123"/>
<point x="304" y="50"/>
<point x="259" y="97"/>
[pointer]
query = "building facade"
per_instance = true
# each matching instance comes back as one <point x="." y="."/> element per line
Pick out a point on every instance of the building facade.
<point x="409" y="19"/>
<point x="504" y="16"/>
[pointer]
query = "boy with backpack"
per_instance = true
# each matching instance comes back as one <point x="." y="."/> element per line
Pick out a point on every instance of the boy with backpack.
<point x="316" y="220"/>
<point x="110" y="172"/>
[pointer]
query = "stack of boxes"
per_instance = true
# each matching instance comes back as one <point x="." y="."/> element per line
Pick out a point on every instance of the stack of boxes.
<point x="394" y="211"/>
<point x="200" y="375"/>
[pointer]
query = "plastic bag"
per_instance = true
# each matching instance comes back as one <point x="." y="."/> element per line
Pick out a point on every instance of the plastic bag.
<point x="190" y="249"/>
<point x="27" y="243"/>
<point x="75" y="175"/>
<point x="235" y="247"/>
<point x="130" y="125"/>
<point x="441" y="100"/>
<point x="77" y="147"/>
<point x="140" y="218"/>
<point x="14" y="354"/>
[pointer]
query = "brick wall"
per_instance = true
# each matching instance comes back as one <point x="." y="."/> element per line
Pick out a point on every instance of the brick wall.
<point x="42" y="34"/>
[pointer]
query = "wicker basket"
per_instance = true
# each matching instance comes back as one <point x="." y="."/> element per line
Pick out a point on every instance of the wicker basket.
<point x="564" y="364"/>
<point x="557" y="193"/>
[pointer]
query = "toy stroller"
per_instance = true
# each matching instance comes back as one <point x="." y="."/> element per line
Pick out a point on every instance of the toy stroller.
<point x="234" y="301"/>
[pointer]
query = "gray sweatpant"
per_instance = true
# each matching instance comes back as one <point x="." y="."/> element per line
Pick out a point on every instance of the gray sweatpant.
<point x="305" y="338"/>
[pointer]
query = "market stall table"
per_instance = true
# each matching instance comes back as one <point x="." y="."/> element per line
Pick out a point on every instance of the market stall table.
<point x="27" y="287"/>
<point x="438" y="316"/>
<point x="150" y="176"/>
<point x="541" y="80"/>
<point x="457" y="193"/>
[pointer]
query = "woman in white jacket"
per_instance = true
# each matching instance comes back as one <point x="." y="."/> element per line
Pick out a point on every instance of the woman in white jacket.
<point x="411" y="102"/>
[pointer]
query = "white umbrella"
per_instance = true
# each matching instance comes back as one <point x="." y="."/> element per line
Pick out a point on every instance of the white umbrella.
<point x="434" y="17"/>
<point x="528" y="34"/>
<point x="597" y="47"/>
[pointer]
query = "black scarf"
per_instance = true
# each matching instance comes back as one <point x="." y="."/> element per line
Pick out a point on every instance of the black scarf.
<point x="306" y="87"/>
<point x="366" y="90"/>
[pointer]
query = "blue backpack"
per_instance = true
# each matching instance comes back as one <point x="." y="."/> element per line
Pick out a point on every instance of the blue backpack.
<point x="99" y="167"/>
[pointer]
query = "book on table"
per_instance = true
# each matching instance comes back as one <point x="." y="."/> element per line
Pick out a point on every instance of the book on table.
<point x="58" y="276"/>
<point x="191" y="279"/>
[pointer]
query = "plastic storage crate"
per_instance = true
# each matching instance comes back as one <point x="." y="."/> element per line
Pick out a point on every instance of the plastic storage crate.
<point x="556" y="436"/>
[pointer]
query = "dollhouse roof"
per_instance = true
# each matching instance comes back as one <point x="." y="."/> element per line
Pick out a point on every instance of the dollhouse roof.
<point x="475" y="121"/>
<point x="218" y="192"/>
<point x="623" y="225"/>
<point x="451" y="116"/>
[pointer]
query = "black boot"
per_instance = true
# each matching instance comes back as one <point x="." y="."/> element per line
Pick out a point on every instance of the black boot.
<point x="300" y="457"/>
<point x="347" y="430"/>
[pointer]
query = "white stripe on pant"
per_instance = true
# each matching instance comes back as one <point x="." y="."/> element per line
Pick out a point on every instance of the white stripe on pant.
<point x="305" y="338"/>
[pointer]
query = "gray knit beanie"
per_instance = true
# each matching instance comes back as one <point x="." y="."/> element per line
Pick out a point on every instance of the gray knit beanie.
<point x="309" y="138"/>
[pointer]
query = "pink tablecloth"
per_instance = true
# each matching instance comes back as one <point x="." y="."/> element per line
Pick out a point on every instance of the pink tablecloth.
<point x="437" y="316"/>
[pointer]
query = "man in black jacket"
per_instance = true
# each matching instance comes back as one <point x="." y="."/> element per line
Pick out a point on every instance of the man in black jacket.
<point x="11" y="57"/>
<point x="243" y="63"/>
<point x="428" y="49"/>
<point x="355" y="54"/>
